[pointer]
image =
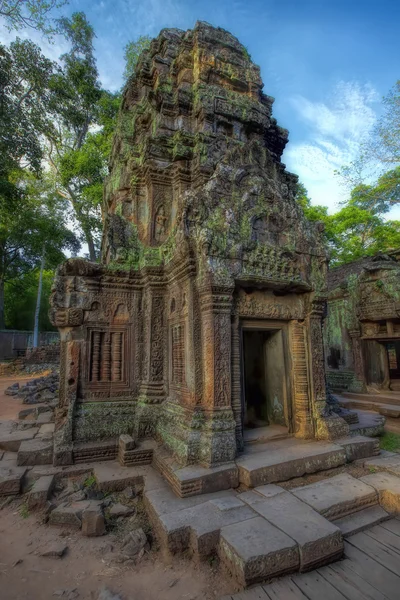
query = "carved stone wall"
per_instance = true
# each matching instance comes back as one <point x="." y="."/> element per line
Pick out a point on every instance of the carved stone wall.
<point x="363" y="308"/>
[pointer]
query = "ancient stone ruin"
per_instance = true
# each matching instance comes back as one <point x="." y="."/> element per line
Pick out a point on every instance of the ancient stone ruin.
<point x="362" y="329"/>
<point x="204" y="317"/>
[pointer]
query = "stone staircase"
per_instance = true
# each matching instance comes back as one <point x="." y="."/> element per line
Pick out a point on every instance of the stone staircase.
<point x="386" y="404"/>
<point x="263" y="463"/>
<point x="268" y="531"/>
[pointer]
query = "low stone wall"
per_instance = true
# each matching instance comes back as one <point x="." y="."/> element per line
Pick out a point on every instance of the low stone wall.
<point x="49" y="354"/>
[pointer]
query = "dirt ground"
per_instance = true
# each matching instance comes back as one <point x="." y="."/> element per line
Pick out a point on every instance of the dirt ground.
<point x="25" y="575"/>
<point x="84" y="569"/>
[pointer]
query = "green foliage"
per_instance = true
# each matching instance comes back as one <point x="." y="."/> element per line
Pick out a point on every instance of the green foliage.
<point x="20" y="301"/>
<point x="132" y="51"/>
<point x="390" y="442"/>
<point x="359" y="229"/>
<point x="33" y="14"/>
<point x="24" y="511"/>
<point x="38" y="228"/>
<point x="25" y="76"/>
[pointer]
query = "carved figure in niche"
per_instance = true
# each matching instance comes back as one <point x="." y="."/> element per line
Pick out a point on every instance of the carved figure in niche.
<point x="259" y="230"/>
<point x="160" y="225"/>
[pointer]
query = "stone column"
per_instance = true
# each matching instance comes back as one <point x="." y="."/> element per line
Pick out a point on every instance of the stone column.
<point x="358" y="384"/>
<point x="327" y="426"/>
<point x="218" y="443"/>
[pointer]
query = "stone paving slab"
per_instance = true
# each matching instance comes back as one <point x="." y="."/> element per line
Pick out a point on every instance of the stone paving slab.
<point x="255" y="550"/>
<point x="287" y="461"/>
<point x="319" y="540"/>
<point x="337" y="496"/>
<point x="391" y="463"/>
<point x="362" y="519"/>
<point x="12" y="441"/>
<point x="358" y="447"/>
<point x="388" y="488"/>
<point x="35" y="452"/>
<point x="111" y="477"/>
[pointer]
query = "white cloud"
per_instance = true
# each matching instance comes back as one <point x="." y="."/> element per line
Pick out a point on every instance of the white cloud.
<point x="336" y="128"/>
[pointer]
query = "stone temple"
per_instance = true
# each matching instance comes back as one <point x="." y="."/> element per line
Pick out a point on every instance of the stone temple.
<point x="362" y="329"/>
<point x="203" y="321"/>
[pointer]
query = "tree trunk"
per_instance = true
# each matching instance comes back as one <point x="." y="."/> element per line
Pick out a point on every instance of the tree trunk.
<point x="92" y="249"/>
<point x="38" y="301"/>
<point x="2" y="318"/>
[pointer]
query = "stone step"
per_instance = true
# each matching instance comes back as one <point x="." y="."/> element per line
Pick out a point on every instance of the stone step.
<point x="255" y="550"/>
<point x="193" y="480"/>
<point x="35" y="452"/>
<point x="369" y="424"/>
<point x="338" y="496"/>
<point x="40" y="492"/>
<point x="383" y="406"/>
<point x="383" y="398"/>
<point x="362" y="519"/>
<point x="257" y="534"/>
<point x="280" y="461"/>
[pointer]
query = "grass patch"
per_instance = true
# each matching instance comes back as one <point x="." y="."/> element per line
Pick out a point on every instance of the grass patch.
<point x="24" y="511"/>
<point x="390" y="441"/>
<point x="89" y="482"/>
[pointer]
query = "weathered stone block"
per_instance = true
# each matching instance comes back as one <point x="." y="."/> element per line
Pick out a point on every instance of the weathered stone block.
<point x="35" y="452"/>
<point x="93" y="523"/>
<point x="319" y="541"/>
<point x="69" y="514"/>
<point x="111" y="477"/>
<point x="359" y="446"/>
<point x="11" y="480"/>
<point x="337" y="496"/>
<point x="255" y="550"/>
<point x="40" y="491"/>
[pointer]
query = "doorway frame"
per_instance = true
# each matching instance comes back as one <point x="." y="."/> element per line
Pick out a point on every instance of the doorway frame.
<point x="268" y="325"/>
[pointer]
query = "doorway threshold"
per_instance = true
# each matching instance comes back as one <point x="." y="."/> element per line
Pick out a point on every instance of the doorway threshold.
<point x="261" y="435"/>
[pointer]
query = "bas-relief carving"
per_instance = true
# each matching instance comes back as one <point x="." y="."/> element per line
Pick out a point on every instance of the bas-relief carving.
<point x="198" y="204"/>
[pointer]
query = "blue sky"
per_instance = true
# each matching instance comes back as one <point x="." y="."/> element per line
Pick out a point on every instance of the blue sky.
<point x="327" y="63"/>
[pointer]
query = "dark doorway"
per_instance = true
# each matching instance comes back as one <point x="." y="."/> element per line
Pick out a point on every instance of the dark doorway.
<point x="264" y="379"/>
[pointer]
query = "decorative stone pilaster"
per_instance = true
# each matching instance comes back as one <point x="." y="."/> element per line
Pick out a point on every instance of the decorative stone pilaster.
<point x="154" y="352"/>
<point x="218" y="443"/>
<point x="69" y="322"/>
<point x="327" y="426"/>
<point x="236" y="385"/>
<point x="358" y="384"/>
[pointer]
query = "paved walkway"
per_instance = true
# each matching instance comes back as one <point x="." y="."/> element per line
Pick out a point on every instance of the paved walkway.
<point x="370" y="571"/>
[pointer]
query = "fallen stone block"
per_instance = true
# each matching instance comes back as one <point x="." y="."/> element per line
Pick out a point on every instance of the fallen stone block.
<point x="93" y="524"/>
<point x="35" y="452"/>
<point x="11" y="480"/>
<point x="254" y="550"/>
<point x="319" y="540"/>
<point x="69" y="514"/>
<point x="40" y="492"/>
<point x="134" y="543"/>
<point x="337" y="496"/>
<point x="120" y="510"/>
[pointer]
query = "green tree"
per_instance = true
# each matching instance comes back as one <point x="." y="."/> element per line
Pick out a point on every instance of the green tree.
<point x="80" y="141"/>
<point x="25" y="76"/>
<point x="20" y="301"/>
<point x="312" y="212"/>
<point x="132" y="51"/>
<point x="31" y="14"/>
<point x="38" y="229"/>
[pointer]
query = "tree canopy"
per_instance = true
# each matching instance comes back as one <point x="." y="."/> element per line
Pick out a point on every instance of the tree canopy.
<point x="31" y="14"/>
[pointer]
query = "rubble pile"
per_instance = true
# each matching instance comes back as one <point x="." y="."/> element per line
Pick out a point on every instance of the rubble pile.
<point x="36" y="391"/>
